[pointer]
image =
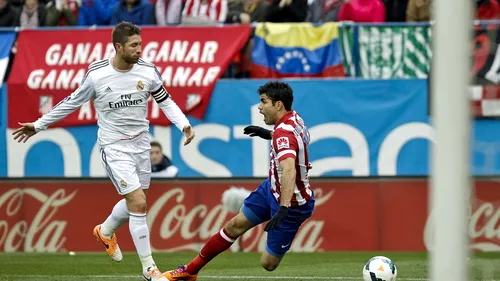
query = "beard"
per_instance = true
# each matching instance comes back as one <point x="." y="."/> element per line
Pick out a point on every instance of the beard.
<point x="130" y="59"/>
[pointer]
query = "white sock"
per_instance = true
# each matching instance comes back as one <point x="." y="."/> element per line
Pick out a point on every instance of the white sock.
<point x="118" y="217"/>
<point x="140" y="234"/>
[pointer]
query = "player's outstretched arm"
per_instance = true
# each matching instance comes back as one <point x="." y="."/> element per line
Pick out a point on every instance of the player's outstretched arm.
<point x="65" y="107"/>
<point x="173" y="113"/>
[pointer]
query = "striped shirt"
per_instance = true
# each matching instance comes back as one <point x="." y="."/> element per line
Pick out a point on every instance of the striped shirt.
<point x="291" y="140"/>
<point x="215" y="10"/>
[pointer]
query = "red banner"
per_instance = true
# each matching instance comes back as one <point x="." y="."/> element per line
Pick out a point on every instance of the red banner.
<point x="350" y="215"/>
<point x="49" y="65"/>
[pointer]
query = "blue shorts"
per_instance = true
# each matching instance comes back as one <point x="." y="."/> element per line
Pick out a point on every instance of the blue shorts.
<point x="261" y="205"/>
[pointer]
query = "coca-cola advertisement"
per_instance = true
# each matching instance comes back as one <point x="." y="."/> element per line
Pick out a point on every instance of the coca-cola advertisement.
<point x="350" y="215"/>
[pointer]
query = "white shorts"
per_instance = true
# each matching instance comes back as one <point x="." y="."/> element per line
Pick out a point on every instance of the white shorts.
<point x="128" y="163"/>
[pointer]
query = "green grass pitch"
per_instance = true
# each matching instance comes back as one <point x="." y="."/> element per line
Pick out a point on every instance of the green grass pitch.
<point x="228" y="266"/>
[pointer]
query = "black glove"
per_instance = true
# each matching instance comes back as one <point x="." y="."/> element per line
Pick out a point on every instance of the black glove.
<point x="277" y="218"/>
<point x="257" y="131"/>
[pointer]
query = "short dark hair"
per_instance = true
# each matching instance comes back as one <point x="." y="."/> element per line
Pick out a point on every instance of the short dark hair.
<point x="278" y="91"/>
<point x="157" y="144"/>
<point x="123" y="31"/>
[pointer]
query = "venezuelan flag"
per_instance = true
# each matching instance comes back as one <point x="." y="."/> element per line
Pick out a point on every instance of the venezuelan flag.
<point x="296" y="50"/>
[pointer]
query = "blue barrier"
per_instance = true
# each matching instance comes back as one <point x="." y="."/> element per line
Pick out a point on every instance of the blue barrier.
<point x="358" y="128"/>
<point x="390" y="137"/>
<point x="3" y="130"/>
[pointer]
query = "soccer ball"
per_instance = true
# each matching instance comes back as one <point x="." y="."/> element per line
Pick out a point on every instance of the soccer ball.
<point x="380" y="268"/>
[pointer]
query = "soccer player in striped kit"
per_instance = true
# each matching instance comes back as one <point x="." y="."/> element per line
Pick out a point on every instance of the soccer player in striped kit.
<point x="285" y="199"/>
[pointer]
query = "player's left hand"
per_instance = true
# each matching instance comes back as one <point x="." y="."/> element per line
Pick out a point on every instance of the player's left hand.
<point x="26" y="131"/>
<point x="188" y="133"/>
<point x="277" y="218"/>
<point x="258" y="131"/>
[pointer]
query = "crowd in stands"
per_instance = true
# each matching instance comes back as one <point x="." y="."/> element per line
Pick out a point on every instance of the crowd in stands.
<point x="35" y="13"/>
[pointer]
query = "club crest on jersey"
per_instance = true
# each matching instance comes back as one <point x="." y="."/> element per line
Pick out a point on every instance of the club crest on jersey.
<point x="283" y="142"/>
<point x="123" y="184"/>
<point x="140" y="85"/>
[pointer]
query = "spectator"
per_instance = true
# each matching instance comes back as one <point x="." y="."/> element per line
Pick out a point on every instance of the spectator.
<point x="61" y="12"/>
<point x="32" y="14"/>
<point x="104" y="10"/>
<point x="418" y="10"/>
<point x="247" y="11"/>
<point x="487" y="10"/>
<point x="161" y="166"/>
<point x="8" y="15"/>
<point x="204" y="12"/>
<point x="87" y="15"/>
<point x="362" y="11"/>
<point x="287" y="11"/>
<point x="139" y="12"/>
<point x="324" y="10"/>
<point x="168" y="12"/>
<point x="96" y="12"/>
<point x="395" y="10"/>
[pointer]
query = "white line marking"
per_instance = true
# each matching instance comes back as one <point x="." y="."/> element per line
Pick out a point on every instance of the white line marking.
<point x="219" y="277"/>
<point x="211" y="277"/>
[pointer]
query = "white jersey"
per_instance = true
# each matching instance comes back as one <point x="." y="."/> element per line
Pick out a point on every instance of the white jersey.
<point x="120" y="99"/>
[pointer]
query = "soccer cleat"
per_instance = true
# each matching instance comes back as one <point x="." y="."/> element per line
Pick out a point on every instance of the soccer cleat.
<point x="111" y="244"/>
<point x="153" y="274"/>
<point x="180" y="274"/>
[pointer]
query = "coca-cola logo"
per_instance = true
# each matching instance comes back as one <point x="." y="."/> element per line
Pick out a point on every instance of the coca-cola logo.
<point x="42" y="233"/>
<point x="30" y="221"/>
<point x="172" y="217"/>
<point x="483" y="227"/>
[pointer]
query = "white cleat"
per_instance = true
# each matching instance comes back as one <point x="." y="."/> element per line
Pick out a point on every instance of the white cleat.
<point x="153" y="274"/>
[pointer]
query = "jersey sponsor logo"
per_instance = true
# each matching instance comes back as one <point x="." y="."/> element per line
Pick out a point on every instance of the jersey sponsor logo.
<point x="283" y="142"/>
<point x="124" y="103"/>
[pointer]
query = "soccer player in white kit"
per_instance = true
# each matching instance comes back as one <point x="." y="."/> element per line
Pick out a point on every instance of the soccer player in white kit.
<point x="120" y="87"/>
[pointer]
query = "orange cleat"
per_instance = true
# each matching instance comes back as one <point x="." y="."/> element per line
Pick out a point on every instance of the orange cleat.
<point x="111" y="244"/>
<point x="180" y="274"/>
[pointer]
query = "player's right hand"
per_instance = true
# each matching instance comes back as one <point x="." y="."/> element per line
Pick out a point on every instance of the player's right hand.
<point x="26" y="131"/>
<point x="257" y="131"/>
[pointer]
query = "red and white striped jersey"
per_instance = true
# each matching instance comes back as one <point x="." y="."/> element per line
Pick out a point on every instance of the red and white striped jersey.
<point x="291" y="139"/>
<point x="213" y="9"/>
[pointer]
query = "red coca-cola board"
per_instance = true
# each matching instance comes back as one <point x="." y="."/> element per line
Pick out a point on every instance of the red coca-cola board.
<point x="350" y="215"/>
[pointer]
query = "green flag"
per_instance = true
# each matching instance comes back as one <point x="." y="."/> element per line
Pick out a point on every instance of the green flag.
<point x="387" y="52"/>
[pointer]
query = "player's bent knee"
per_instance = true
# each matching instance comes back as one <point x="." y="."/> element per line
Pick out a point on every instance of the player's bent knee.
<point x="238" y="225"/>
<point x="136" y="201"/>
<point x="269" y="262"/>
<point x="269" y="266"/>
